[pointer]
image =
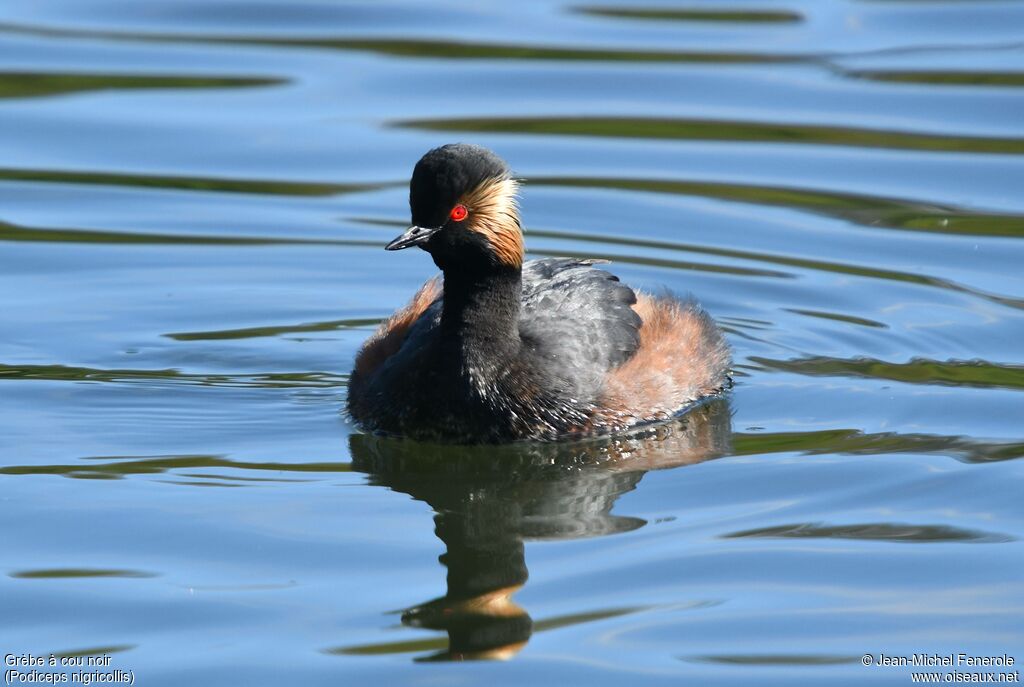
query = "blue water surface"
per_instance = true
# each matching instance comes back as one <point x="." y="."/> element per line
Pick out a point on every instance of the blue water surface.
<point x="194" y="195"/>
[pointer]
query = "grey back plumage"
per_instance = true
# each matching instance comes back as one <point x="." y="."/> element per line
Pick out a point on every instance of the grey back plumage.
<point x="575" y="325"/>
<point x="579" y="318"/>
<point x="576" y="321"/>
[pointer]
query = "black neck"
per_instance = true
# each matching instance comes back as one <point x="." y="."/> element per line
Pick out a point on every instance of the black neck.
<point x="481" y="312"/>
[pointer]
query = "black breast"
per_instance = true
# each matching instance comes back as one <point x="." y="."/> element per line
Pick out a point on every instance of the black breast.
<point x="575" y="325"/>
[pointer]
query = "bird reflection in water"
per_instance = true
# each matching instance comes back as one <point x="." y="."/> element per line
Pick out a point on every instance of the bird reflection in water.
<point x="490" y="499"/>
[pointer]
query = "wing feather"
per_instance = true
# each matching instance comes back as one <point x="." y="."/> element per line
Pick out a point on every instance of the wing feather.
<point x="580" y="318"/>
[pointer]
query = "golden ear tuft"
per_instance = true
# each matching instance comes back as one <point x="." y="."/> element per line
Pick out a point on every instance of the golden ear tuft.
<point x="494" y="208"/>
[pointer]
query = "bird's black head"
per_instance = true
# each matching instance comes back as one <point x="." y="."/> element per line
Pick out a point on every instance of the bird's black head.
<point x="463" y="202"/>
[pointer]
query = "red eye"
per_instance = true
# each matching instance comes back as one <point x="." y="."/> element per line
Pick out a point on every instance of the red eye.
<point x="459" y="213"/>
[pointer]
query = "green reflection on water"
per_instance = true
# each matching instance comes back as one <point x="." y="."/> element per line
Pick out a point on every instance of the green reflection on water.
<point x="695" y="14"/>
<point x="861" y="209"/>
<point x="386" y="648"/>
<point x="715" y="130"/>
<point x="961" y="373"/>
<point x="255" y="186"/>
<point x="59" y="573"/>
<point x="498" y="51"/>
<point x="442" y="49"/>
<point x="36" y="84"/>
<point x="952" y="78"/>
<point x="120" y="467"/>
<point x="875" y="531"/>
<point x="838" y="317"/>
<point x="258" y="332"/>
<point x="803" y="263"/>
<point x="774" y="659"/>
<point x="95" y="650"/>
<point x="856" y="442"/>
<point x="12" y="232"/>
<point x="267" y="380"/>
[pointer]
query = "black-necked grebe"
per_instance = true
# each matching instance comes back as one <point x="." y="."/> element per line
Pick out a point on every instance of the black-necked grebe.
<point x="502" y="350"/>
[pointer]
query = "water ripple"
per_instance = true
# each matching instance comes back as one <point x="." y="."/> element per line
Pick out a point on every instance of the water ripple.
<point x="743" y="16"/>
<point x="865" y="210"/>
<point x="267" y="380"/>
<point x="979" y="374"/>
<point x="876" y="531"/>
<point x="39" y="84"/>
<point x="722" y="130"/>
